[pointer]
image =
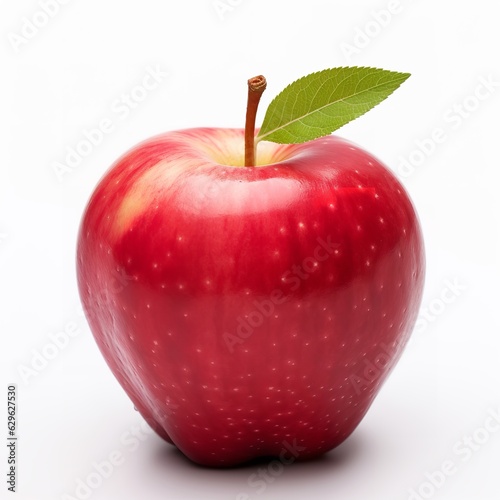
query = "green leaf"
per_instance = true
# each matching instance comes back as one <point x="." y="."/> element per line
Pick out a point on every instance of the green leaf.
<point x="317" y="104"/>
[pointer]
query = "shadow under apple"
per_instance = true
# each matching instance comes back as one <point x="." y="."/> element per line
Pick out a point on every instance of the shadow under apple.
<point x="251" y="479"/>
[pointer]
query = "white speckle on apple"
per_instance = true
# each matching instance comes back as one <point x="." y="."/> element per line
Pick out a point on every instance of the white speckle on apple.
<point x="358" y="227"/>
<point x="148" y="306"/>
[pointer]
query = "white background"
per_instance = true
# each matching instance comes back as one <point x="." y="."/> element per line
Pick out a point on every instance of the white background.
<point x="67" y="78"/>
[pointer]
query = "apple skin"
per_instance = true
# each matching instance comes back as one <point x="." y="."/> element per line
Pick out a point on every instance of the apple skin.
<point x="248" y="311"/>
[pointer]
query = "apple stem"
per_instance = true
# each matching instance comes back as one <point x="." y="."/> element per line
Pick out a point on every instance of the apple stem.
<point x="256" y="87"/>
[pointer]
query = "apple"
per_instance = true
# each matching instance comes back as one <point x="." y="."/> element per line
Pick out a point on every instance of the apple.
<point x="250" y="311"/>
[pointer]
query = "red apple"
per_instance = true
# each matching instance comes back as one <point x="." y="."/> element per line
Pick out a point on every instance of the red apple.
<point x="250" y="311"/>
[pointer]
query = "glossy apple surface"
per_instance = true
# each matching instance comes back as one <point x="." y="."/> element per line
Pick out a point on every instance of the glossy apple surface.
<point x="245" y="310"/>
